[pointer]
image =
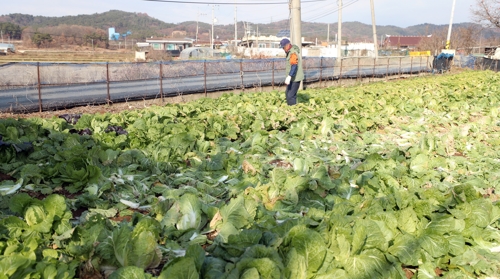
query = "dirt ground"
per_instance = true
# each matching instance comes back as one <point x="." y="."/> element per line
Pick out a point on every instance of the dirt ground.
<point x="94" y="109"/>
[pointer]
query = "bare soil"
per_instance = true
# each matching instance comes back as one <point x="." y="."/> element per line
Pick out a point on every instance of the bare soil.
<point x="90" y="109"/>
<point x="70" y="54"/>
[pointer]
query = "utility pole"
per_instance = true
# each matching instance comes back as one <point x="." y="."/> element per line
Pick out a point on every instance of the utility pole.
<point x="449" y="28"/>
<point x="214" y="20"/>
<point x="328" y="34"/>
<point x="235" y="26"/>
<point x="257" y="36"/>
<point x="196" y="35"/>
<point x="197" y="16"/>
<point x="339" y="31"/>
<point x="296" y="28"/>
<point x="212" y="37"/>
<point x="247" y="31"/>
<point x="374" y="27"/>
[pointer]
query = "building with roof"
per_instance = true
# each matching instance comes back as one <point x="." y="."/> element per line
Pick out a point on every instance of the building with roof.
<point x="217" y="44"/>
<point x="256" y="41"/>
<point x="402" y="42"/>
<point x="169" y="44"/>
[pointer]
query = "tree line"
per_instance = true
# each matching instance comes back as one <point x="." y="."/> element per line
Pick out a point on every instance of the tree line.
<point x="10" y="31"/>
<point x="61" y="35"/>
<point x="140" y="24"/>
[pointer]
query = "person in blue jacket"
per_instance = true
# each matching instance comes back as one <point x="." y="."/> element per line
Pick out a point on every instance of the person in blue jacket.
<point x="294" y="71"/>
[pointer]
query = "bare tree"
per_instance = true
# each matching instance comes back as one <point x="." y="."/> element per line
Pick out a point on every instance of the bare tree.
<point x="466" y="38"/>
<point x="487" y="12"/>
<point x="69" y="34"/>
<point x="463" y="38"/>
<point x="434" y="43"/>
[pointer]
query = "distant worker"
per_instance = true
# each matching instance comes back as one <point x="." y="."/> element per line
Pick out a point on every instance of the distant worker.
<point x="294" y="71"/>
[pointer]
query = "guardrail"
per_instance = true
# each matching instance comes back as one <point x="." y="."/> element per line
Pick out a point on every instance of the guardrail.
<point x="39" y="86"/>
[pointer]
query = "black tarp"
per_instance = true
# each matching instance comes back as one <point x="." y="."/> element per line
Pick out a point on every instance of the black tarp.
<point x="491" y="64"/>
<point x="442" y="62"/>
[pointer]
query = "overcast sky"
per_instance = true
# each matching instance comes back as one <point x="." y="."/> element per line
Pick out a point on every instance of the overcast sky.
<point x="402" y="13"/>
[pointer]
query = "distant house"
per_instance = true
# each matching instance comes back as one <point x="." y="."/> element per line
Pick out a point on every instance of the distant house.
<point x="402" y="42"/>
<point x="271" y="41"/>
<point x="217" y="44"/>
<point x="169" y="44"/>
<point x="261" y="41"/>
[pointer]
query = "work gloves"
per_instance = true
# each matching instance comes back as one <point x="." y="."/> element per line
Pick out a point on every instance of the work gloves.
<point x="287" y="80"/>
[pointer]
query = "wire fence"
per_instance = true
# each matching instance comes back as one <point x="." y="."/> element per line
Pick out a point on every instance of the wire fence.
<point x="39" y="86"/>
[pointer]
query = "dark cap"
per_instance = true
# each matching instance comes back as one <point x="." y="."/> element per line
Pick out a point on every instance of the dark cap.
<point x="284" y="42"/>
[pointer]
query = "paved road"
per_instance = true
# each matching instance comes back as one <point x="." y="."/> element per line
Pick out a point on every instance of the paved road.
<point x="20" y="99"/>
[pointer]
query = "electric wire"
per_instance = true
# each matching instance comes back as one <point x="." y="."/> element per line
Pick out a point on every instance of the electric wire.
<point x="229" y="3"/>
<point x="309" y="12"/>
<point x="326" y="13"/>
<point x="260" y="2"/>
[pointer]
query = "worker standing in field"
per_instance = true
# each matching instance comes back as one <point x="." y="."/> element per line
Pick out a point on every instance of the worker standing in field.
<point x="294" y="71"/>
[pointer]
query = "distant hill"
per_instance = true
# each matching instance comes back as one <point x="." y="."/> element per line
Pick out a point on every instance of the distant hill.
<point x="140" y="24"/>
<point x="143" y="26"/>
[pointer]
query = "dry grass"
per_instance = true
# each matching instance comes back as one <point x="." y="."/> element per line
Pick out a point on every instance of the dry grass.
<point x="83" y="54"/>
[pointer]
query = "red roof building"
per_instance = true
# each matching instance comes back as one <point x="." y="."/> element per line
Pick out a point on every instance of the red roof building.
<point x="409" y="42"/>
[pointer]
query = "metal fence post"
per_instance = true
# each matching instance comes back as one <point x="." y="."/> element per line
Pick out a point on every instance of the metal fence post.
<point x="387" y="70"/>
<point x="340" y="75"/>
<point x="241" y="74"/>
<point x="420" y="66"/>
<point x="320" y="70"/>
<point x="359" y="77"/>
<point x="107" y="82"/>
<point x="205" y="76"/>
<point x="272" y="81"/>
<point x="399" y="73"/>
<point x="39" y="87"/>
<point x="161" y="82"/>
<point x="411" y="65"/>
<point x="374" y="64"/>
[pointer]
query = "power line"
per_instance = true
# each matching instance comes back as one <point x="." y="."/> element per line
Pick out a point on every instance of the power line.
<point x="310" y="12"/>
<point x="229" y="3"/>
<point x="281" y="16"/>
<point x="332" y="11"/>
<point x="261" y="2"/>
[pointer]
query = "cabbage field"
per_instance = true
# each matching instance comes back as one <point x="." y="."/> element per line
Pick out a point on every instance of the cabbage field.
<point x="395" y="179"/>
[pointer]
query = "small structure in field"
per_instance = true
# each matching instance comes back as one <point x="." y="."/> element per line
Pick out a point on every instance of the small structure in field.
<point x="197" y="53"/>
<point x="6" y="48"/>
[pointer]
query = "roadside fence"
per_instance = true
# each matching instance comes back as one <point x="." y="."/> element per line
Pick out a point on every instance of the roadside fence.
<point x="41" y="86"/>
